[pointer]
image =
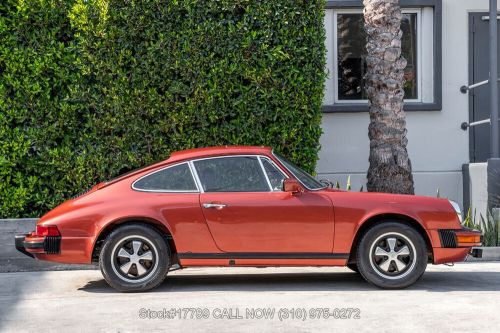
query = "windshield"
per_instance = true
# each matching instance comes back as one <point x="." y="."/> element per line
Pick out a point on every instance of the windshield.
<point x="306" y="179"/>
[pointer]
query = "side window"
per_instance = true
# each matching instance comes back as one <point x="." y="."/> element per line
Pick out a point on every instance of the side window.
<point x="231" y="174"/>
<point x="275" y="176"/>
<point x="176" y="178"/>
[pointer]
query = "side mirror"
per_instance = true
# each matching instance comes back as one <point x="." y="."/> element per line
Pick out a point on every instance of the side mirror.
<point x="293" y="186"/>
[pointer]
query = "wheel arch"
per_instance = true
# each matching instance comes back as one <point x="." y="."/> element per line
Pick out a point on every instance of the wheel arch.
<point x="389" y="217"/>
<point x="113" y="225"/>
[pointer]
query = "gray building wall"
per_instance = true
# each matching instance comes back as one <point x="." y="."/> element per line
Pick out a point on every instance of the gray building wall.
<point x="436" y="144"/>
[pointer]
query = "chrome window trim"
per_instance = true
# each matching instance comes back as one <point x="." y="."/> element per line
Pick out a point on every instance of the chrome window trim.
<point x="277" y="167"/>
<point x="258" y="156"/>
<point x="196" y="177"/>
<point x="167" y="191"/>
<point x="284" y="166"/>
<point x="265" y="175"/>
<point x="197" y="181"/>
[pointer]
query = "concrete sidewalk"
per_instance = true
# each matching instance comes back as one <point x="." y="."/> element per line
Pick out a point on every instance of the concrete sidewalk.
<point x="448" y="299"/>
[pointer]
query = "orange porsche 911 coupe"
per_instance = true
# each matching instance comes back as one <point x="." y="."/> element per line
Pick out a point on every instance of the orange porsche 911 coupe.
<point x="245" y="206"/>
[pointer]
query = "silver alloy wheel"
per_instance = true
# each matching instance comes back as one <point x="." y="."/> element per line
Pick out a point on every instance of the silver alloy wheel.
<point x="393" y="256"/>
<point x="134" y="259"/>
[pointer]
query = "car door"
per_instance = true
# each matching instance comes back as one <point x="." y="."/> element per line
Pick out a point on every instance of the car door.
<point x="246" y="210"/>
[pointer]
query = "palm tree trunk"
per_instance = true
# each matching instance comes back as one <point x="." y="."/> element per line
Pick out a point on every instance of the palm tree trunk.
<point x="390" y="166"/>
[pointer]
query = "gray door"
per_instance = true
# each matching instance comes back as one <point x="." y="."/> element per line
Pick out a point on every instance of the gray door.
<point x="479" y="102"/>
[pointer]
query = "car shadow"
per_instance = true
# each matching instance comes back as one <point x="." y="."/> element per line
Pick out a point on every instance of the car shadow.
<point x="431" y="281"/>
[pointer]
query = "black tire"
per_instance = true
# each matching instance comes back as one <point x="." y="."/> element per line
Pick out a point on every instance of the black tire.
<point x="401" y="267"/>
<point x="135" y="257"/>
<point x="353" y="267"/>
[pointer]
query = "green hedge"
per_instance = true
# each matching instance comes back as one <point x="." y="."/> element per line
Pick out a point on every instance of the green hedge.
<point x="93" y="88"/>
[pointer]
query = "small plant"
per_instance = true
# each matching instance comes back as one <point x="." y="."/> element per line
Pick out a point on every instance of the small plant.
<point x="438" y="194"/>
<point x="468" y="221"/>
<point x="490" y="228"/>
<point x="336" y="185"/>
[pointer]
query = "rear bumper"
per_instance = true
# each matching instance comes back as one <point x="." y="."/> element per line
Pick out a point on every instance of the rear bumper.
<point x="21" y="247"/>
<point x="29" y="244"/>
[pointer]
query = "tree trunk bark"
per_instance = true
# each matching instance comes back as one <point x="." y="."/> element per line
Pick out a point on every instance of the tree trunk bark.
<point x="390" y="166"/>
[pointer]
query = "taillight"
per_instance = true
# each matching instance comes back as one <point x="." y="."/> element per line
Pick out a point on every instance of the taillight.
<point x="47" y="230"/>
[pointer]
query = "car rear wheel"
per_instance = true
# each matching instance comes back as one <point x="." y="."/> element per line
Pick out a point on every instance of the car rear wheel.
<point x="134" y="257"/>
<point x="392" y="255"/>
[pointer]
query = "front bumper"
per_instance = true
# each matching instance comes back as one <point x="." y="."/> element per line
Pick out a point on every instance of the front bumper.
<point x="476" y="253"/>
<point x="31" y="244"/>
<point x="456" y="244"/>
<point x="465" y="237"/>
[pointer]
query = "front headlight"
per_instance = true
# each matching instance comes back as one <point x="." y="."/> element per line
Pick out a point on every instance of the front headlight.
<point x="457" y="209"/>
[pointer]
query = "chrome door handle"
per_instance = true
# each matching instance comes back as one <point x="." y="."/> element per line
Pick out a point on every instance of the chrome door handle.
<point x="214" y="205"/>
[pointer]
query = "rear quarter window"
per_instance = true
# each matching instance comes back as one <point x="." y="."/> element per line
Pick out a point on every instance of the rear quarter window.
<point x="177" y="178"/>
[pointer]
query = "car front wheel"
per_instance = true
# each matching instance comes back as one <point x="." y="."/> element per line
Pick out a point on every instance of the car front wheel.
<point x="134" y="257"/>
<point x="353" y="267"/>
<point x="392" y="255"/>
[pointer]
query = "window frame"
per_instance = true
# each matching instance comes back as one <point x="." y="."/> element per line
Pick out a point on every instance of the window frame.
<point x="294" y="175"/>
<point x="258" y="157"/>
<point x="265" y="173"/>
<point x="433" y="98"/>
<point x="335" y="54"/>
<point x="167" y="191"/>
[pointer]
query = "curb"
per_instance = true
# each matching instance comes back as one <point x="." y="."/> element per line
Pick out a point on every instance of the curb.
<point x="489" y="254"/>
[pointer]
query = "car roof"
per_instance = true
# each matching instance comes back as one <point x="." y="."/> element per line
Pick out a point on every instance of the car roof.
<point x="216" y="151"/>
<point x="195" y="153"/>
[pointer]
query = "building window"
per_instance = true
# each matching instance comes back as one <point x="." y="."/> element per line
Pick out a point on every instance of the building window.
<point x="351" y="55"/>
<point x="346" y="57"/>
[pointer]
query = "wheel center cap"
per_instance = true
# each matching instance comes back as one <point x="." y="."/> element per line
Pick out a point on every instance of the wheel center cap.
<point x="134" y="258"/>
<point x="393" y="255"/>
